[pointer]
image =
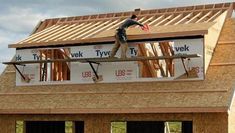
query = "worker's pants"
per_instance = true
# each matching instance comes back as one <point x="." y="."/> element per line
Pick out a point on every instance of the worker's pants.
<point x="117" y="44"/>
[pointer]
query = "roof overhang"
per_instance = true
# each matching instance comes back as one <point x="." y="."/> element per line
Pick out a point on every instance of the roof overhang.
<point x="119" y="111"/>
<point x="171" y="31"/>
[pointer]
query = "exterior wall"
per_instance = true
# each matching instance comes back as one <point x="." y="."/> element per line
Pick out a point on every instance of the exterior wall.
<point x="7" y="124"/>
<point x="202" y="123"/>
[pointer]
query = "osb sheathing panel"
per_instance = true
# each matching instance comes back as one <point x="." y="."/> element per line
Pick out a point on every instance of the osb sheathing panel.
<point x="228" y="32"/>
<point x="202" y="122"/>
<point x="214" y="91"/>
<point x="7" y="124"/>
<point x="224" y="51"/>
<point x="129" y="95"/>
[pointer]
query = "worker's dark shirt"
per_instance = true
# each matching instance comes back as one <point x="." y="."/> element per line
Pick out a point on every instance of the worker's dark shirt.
<point x="129" y="22"/>
<point x="121" y="31"/>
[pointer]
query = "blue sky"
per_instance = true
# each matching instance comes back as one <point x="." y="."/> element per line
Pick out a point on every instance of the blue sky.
<point x="19" y="17"/>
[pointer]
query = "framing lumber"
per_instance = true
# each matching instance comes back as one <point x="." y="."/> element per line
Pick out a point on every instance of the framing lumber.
<point x="164" y="20"/>
<point x="166" y="52"/>
<point x="81" y="31"/>
<point x="195" y="18"/>
<point x="100" y="29"/>
<point x="73" y="33"/>
<point x="69" y="31"/>
<point x="214" y="16"/>
<point x="147" y="63"/>
<point x="206" y="16"/>
<point x="158" y="63"/>
<point x="38" y="34"/>
<point x="116" y="25"/>
<point x="97" y="26"/>
<point x="156" y="20"/>
<point x="148" y="20"/>
<point x="85" y="60"/>
<point x="48" y="34"/>
<point x="61" y="30"/>
<point x="174" y="20"/>
<point x="60" y="33"/>
<point x="184" y="19"/>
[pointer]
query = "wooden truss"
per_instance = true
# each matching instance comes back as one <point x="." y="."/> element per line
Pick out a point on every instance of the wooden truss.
<point x="74" y="29"/>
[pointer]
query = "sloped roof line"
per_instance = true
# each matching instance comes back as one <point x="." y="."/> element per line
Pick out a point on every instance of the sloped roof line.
<point x="150" y="12"/>
<point x="90" y="27"/>
<point x="66" y="21"/>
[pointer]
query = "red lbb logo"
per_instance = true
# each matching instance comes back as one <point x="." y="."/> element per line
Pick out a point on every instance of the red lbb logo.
<point x="86" y="74"/>
<point x="119" y="73"/>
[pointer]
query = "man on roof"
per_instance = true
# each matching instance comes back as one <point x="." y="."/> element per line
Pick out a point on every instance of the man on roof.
<point x="121" y="38"/>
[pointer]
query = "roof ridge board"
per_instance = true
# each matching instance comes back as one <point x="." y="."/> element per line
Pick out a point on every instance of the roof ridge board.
<point x="144" y="15"/>
<point x="150" y="11"/>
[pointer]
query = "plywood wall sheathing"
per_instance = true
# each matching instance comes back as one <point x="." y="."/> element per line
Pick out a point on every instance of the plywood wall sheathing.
<point x="211" y="39"/>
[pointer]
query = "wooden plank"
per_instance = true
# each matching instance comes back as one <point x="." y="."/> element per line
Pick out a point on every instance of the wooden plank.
<point x="184" y="19"/>
<point x="58" y="66"/>
<point x="144" y="68"/>
<point x="54" y="35"/>
<point x="47" y="34"/>
<point x="116" y="25"/>
<point x="40" y="66"/>
<point x="148" y="64"/>
<point x="46" y="69"/>
<point x="72" y="37"/>
<point x="156" y="20"/>
<point x="100" y="29"/>
<point x="118" y="110"/>
<point x="52" y="65"/>
<point x="148" y="20"/>
<point x="182" y="33"/>
<point x="164" y="20"/>
<point x="156" y="55"/>
<point x="96" y="27"/>
<point x="215" y="16"/>
<point x="73" y="32"/>
<point x="38" y="34"/>
<point x="84" y="60"/>
<point x="195" y="18"/>
<point x="165" y="51"/>
<point x="175" y="19"/>
<point x="62" y="32"/>
<point x="206" y="16"/>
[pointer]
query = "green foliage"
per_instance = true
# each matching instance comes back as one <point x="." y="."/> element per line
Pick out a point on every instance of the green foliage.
<point x="19" y="126"/>
<point x="118" y="127"/>
<point x="68" y="127"/>
<point x="175" y="127"/>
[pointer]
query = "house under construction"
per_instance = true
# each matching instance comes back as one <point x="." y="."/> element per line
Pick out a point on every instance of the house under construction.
<point x="181" y="71"/>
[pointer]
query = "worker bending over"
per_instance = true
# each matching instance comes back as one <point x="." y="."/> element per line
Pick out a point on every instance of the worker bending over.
<point x="121" y="38"/>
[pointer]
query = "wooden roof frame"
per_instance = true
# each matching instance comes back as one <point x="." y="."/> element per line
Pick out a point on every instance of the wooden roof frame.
<point x="157" y="17"/>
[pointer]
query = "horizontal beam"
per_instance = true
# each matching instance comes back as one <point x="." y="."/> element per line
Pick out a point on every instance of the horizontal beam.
<point x="107" y="59"/>
<point x="111" y="39"/>
<point x="155" y="12"/>
<point x="117" y="110"/>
